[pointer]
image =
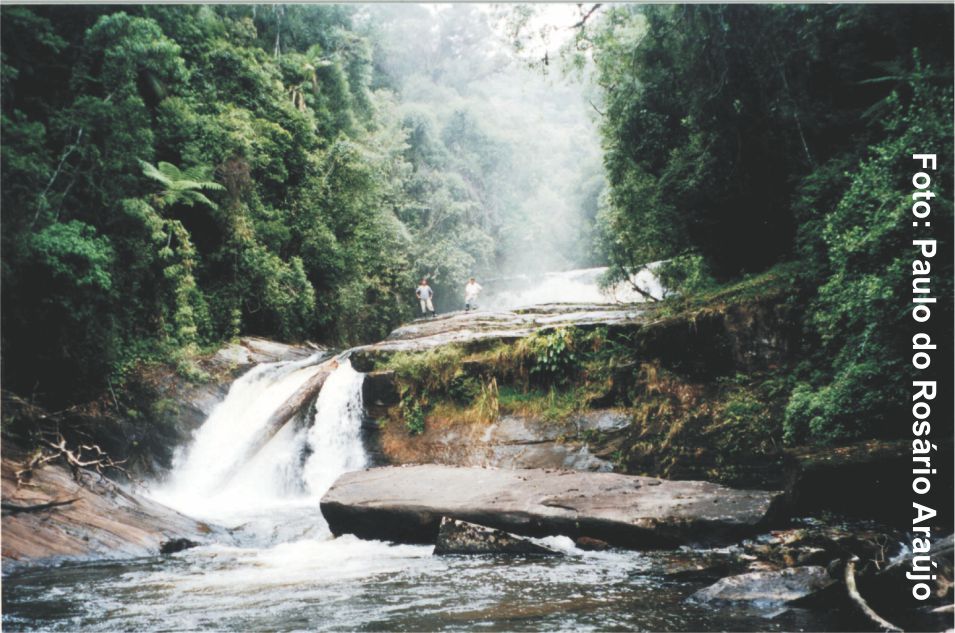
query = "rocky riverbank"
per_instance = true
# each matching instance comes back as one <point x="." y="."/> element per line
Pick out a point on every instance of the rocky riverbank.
<point x="616" y="426"/>
<point x="53" y="515"/>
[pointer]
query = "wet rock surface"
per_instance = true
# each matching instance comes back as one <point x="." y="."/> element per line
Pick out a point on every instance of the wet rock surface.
<point x="252" y="351"/>
<point x="815" y="542"/>
<point x="177" y="545"/>
<point x="92" y="520"/>
<point x="509" y="442"/>
<point x="767" y="587"/>
<point x="406" y="504"/>
<point x="686" y="564"/>
<point x="488" y="326"/>
<point x="461" y="537"/>
<point x="590" y="544"/>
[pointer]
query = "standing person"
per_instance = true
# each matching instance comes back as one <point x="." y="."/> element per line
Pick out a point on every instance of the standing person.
<point x="471" y="291"/>
<point x="424" y="294"/>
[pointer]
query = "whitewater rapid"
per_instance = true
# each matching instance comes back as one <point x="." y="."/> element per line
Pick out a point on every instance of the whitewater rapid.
<point x="270" y="496"/>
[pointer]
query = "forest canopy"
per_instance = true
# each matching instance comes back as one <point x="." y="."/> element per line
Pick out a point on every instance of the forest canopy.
<point x="177" y="176"/>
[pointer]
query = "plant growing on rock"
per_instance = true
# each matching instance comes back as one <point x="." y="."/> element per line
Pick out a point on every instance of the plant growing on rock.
<point x="554" y="355"/>
<point x="413" y="414"/>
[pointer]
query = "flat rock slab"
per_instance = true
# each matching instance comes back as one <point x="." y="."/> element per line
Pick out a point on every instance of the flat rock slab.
<point x="405" y="504"/>
<point x="767" y="587"/>
<point x="472" y="327"/>
<point x="461" y="537"/>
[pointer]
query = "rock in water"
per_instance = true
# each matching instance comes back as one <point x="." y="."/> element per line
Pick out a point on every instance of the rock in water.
<point x="406" y="504"/>
<point x="461" y="537"/>
<point x="591" y="544"/>
<point x="768" y="587"/>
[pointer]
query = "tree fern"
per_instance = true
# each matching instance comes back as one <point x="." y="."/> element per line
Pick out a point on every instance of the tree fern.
<point x="181" y="186"/>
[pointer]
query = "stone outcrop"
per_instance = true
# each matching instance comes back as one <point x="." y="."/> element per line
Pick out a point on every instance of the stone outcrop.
<point x="461" y="537"/>
<point x="830" y="478"/>
<point x="509" y="442"/>
<point x="487" y="327"/>
<point x="55" y="518"/>
<point x="252" y="351"/>
<point x="406" y="504"/>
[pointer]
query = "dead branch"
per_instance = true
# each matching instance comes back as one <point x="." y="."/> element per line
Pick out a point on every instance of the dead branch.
<point x="87" y="457"/>
<point x="642" y="292"/>
<point x="585" y="16"/>
<point x="850" y="577"/>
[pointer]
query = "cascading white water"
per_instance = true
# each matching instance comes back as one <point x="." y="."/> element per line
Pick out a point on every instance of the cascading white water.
<point x="335" y="436"/>
<point x="216" y="479"/>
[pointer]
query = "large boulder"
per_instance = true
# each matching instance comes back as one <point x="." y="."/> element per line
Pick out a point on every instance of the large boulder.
<point x="406" y="504"/>
<point x="481" y="328"/>
<point x="461" y="537"/>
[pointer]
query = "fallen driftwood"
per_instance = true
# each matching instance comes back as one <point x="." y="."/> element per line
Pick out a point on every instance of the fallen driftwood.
<point x="13" y="508"/>
<point x="295" y="403"/>
<point x="857" y="598"/>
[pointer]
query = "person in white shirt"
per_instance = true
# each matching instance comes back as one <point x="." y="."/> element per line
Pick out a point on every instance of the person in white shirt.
<point x="424" y="294"/>
<point x="471" y="291"/>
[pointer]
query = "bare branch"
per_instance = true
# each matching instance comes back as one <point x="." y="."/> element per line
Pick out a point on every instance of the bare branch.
<point x="85" y="457"/>
<point x="585" y="16"/>
<point x="850" y="577"/>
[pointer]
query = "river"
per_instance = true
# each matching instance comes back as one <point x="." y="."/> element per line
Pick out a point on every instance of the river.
<point x="279" y="568"/>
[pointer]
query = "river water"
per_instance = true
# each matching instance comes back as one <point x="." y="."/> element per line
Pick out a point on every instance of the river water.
<point x="279" y="568"/>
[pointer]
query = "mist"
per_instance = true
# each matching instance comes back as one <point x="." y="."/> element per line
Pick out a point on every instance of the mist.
<point x="462" y="89"/>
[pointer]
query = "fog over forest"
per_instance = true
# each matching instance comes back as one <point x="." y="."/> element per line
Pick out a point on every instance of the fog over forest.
<point x="520" y="135"/>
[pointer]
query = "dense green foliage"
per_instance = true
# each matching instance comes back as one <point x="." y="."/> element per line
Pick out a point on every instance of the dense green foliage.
<point x="740" y="136"/>
<point x="176" y="176"/>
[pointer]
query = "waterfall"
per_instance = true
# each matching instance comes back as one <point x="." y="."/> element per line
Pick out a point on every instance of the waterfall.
<point x="216" y="479"/>
<point x="335" y="436"/>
